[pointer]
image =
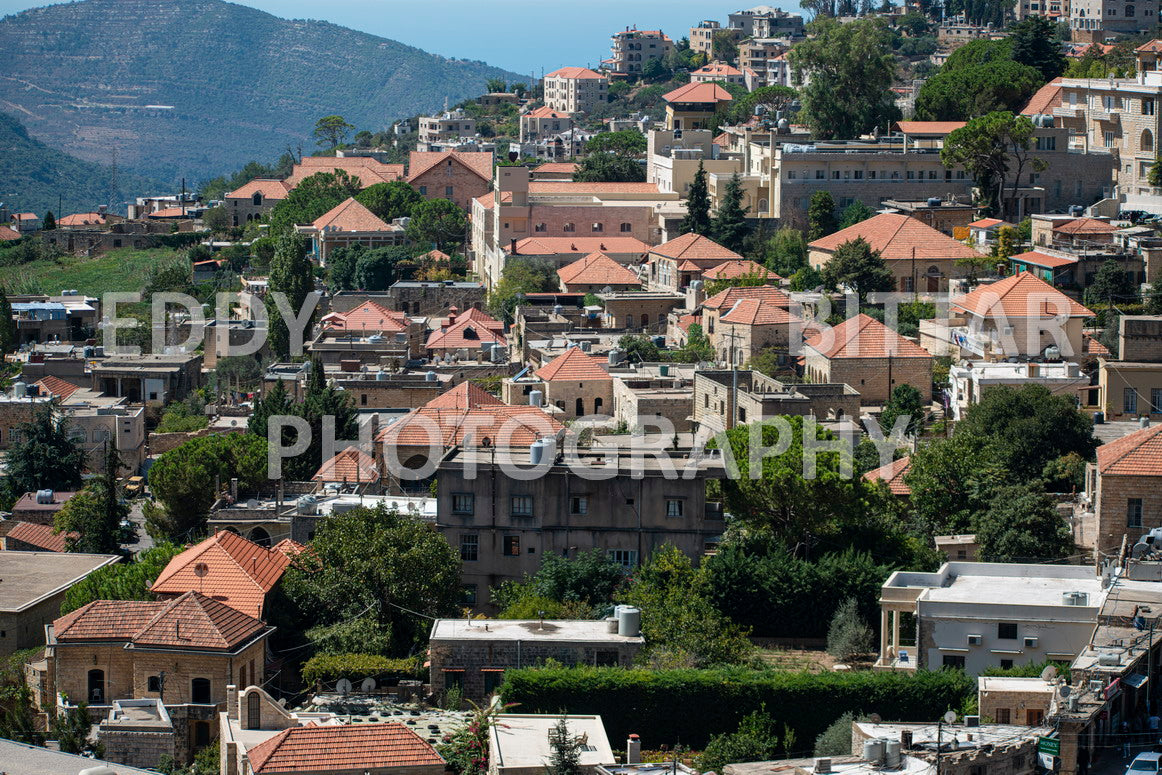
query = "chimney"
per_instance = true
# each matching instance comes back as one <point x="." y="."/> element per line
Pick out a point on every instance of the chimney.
<point x="512" y="246"/>
<point x="234" y="488"/>
<point x="232" y="710"/>
<point x="633" y="750"/>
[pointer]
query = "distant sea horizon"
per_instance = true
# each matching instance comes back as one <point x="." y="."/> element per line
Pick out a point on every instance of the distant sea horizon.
<point x="525" y="36"/>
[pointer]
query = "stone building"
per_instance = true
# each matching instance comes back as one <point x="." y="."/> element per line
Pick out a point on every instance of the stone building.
<point x="633" y="48"/>
<point x="520" y="744"/>
<point x="139" y="733"/>
<point x="575" y="89"/>
<point x="473" y="655"/>
<point x="681" y="261"/>
<point x="427" y="299"/>
<point x="1131" y="385"/>
<point x="254" y="200"/>
<point x="543" y="123"/>
<point x="574" y="383"/>
<point x="1010" y="700"/>
<point x="754" y="326"/>
<point x="595" y="273"/>
<point x="456" y="176"/>
<point x="445" y="131"/>
<point x="149" y="379"/>
<point x="350" y="223"/>
<point x="624" y="505"/>
<point x="760" y="397"/>
<point x="869" y="356"/>
<point x="695" y="105"/>
<point x="725" y="300"/>
<point x="1122" y="490"/>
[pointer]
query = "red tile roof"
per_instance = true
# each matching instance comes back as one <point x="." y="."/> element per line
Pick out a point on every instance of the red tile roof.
<point x="696" y="247"/>
<point x="368" y="316"/>
<point x="169" y="212"/>
<point x="8" y="234"/>
<point x="576" y="72"/>
<point x="1138" y="454"/>
<point x="686" y="321"/>
<point x="351" y="215"/>
<point x="83" y="219"/>
<point x="547" y="246"/>
<point x="342" y="748"/>
<point x="563" y="167"/>
<point x="699" y="92"/>
<point x="1153" y="46"/>
<point x="464" y="333"/>
<point x="1044" y="99"/>
<point x="466" y="395"/>
<point x="1022" y="295"/>
<point x="865" y="337"/>
<point x="41" y="536"/>
<point x="420" y="162"/>
<point x="227" y="568"/>
<point x="55" y="386"/>
<point x="575" y="366"/>
<point x="1091" y="346"/>
<point x="367" y="170"/>
<point x="1041" y="259"/>
<point x="289" y="547"/>
<point x="718" y="69"/>
<point x="192" y="621"/>
<point x="546" y="112"/>
<point x="727" y="298"/>
<point x="929" y="127"/>
<point x="597" y="269"/>
<point x="477" y="316"/>
<point x="25" y="217"/>
<point x="986" y="223"/>
<point x="437" y="256"/>
<point x="350" y="465"/>
<point x="270" y="189"/>
<point x="1085" y="226"/>
<point x="731" y="270"/>
<point x="502" y="425"/>
<point x="899" y="237"/>
<point x="756" y="312"/>
<point x="892" y="475"/>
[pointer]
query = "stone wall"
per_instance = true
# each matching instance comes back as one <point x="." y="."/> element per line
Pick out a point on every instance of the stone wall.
<point x="870" y="376"/>
<point x="1111" y="508"/>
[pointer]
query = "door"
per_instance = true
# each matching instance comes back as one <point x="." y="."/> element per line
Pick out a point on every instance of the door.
<point x="97" y="686"/>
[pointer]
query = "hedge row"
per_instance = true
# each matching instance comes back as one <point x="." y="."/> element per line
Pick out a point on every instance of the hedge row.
<point x="355" y="667"/>
<point x="688" y="706"/>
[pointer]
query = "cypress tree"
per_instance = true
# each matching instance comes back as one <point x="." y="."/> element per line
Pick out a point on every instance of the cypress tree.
<point x="697" y="218"/>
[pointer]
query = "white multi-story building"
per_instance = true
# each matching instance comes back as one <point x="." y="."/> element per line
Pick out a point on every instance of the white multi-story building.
<point x="575" y="89"/>
<point x="976" y="615"/>
<point x="450" y="128"/>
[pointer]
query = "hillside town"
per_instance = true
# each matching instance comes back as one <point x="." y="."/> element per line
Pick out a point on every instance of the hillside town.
<point x="340" y="464"/>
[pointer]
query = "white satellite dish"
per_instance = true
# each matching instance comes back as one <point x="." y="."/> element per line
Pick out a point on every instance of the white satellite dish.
<point x="950" y="717"/>
<point x="368" y="685"/>
<point x="343" y="686"/>
<point x="1049" y="673"/>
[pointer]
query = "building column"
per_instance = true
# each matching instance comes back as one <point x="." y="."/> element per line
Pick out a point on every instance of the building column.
<point x="896" y="616"/>
<point x="884" y="641"/>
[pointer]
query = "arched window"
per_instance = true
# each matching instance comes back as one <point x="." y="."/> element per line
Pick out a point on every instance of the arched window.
<point x="626" y="228"/>
<point x="580" y="407"/>
<point x="645" y="320"/>
<point x="1129" y="11"/>
<point x="259" y="536"/>
<point x="597" y="402"/>
<point x="256" y="200"/>
<point x="1147" y="140"/>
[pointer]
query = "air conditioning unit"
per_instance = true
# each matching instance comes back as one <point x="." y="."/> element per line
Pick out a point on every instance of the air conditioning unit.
<point x="1030" y="643"/>
<point x="972" y="721"/>
<point x="974" y="640"/>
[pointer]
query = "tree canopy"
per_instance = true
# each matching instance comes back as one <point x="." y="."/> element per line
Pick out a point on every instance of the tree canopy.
<point x="43" y="456"/>
<point x="437" y="222"/>
<point x="996" y="149"/>
<point x="855" y="265"/>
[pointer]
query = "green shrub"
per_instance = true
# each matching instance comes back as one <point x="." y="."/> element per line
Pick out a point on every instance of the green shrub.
<point x="644" y="701"/>
<point x="356" y="667"/>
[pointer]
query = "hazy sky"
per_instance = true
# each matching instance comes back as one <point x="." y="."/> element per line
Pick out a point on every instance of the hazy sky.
<point x="520" y="35"/>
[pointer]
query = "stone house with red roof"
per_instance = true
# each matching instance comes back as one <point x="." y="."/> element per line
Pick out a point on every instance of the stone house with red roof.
<point x="542" y="123"/>
<point x="574" y="384"/>
<point x="254" y="200"/>
<point x="596" y="272"/>
<point x="184" y="651"/>
<point x="350" y="223"/>
<point x="471" y="333"/>
<point x="694" y="105"/>
<point x="752" y="326"/>
<point x="724" y="300"/>
<point x="228" y="568"/>
<point x="456" y="176"/>
<point x="681" y="261"/>
<point x="1123" y="491"/>
<point x="367" y="170"/>
<point x="869" y="356"/>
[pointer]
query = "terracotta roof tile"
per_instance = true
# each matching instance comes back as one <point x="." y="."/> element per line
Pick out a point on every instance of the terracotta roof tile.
<point x="367" y="170"/>
<point x="1138" y="454"/>
<point x="270" y="189"/>
<point x="1091" y="346"/>
<point x="8" y="234"/>
<point x="686" y="321"/>
<point x="503" y="425"/>
<point x="756" y="312"/>
<point x="574" y="365"/>
<point x="351" y="215"/>
<point x="718" y="69"/>
<point x="350" y="465"/>
<point x="196" y="621"/>
<point x="56" y="386"/>
<point x="727" y="298"/>
<point x="865" y="337"/>
<point x="41" y="536"/>
<point x="420" y="162"/>
<point x="546" y="112"/>
<point x="563" y="167"/>
<point x="896" y="236"/>
<point x="368" y="316"/>
<point x="732" y="270"/>
<point x="576" y="73"/>
<point x="598" y="269"/>
<point x="466" y="395"/>
<point x="699" y="92"/>
<point x="83" y="219"/>
<point x="929" y="127"/>
<point x="437" y="256"/>
<point x="987" y="223"/>
<point x="106" y="620"/>
<point x="1044" y="99"/>
<point x="1022" y="295"/>
<point x="289" y="547"/>
<point x="168" y="212"/>
<point x="233" y="570"/>
<point x="342" y="748"/>
<point x="1153" y="45"/>
<point x="547" y="246"/>
<point x="1085" y="226"/>
<point x="892" y="475"/>
<point x="1041" y="259"/>
<point x="464" y="333"/>
<point x="696" y="247"/>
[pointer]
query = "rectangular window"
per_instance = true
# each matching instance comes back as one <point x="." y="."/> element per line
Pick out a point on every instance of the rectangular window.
<point x="1006" y="631"/>
<point x="463" y="503"/>
<point x="1046" y="143"/>
<point x="1155" y="400"/>
<point x="579" y="504"/>
<point x="469" y="547"/>
<point x="492" y="681"/>
<point x="448" y="191"/>
<point x="626" y="558"/>
<point x="911" y="175"/>
<point x="468" y="594"/>
<point x="1108" y="139"/>
<point x="522" y="506"/>
<point x="1147" y="107"/>
<point x="423" y="190"/>
<point x="1004" y="716"/>
<point x="512" y="546"/>
<point x="1129" y="400"/>
<point x="153" y="683"/>
<point x="1006" y="664"/>
<point x="1134" y="512"/>
<point x="675" y="507"/>
<point x="954" y="660"/>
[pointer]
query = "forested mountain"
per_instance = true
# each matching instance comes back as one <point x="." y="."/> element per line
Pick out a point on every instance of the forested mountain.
<point x="198" y="87"/>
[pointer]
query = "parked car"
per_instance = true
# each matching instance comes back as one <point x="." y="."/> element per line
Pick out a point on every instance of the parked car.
<point x="1144" y="764"/>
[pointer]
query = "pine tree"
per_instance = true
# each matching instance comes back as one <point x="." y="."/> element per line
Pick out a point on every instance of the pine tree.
<point x="730" y="227"/>
<point x="43" y="455"/>
<point x="697" y="218"/>
<point x="820" y="216"/>
<point x="49" y="222"/>
<point x="565" y="750"/>
<point x="7" y="325"/>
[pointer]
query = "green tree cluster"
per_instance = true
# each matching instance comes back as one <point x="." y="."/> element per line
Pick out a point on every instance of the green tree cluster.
<point x="755" y="740"/>
<point x="997" y="150"/>
<point x="521" y="276"/>
<point x="126" y="580"/>
<point x="292" y="276"/>
<point x="44" y="456"/>
<point x="856" y="266"/>
<point x="576" y="588"/>
<point x="313" y="197"/>
<point x="95" y="513"/>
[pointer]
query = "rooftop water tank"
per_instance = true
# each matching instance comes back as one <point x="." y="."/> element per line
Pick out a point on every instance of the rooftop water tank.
<point x="615" y="356"/>
<point x="541" y="451"/>
<point x="430" y="376"/>
<point x="934" y="201"/>
<point x="664" y="369"/>
<point x="873" y="751"/>
<point x="382" y="376"/>
<point x="44" y="497"/>
<point x="536" y="398"/>
<point x="20" y="389"/>
<point x="629" y="621"/>
<point x="892" y="753"/>
<point x="308" y="504"/>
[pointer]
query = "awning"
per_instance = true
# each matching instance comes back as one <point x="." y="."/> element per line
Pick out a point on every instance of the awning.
<point x="492" y="669"/>
<point x="453" y="670"/>
<point x="1134" y="680"/>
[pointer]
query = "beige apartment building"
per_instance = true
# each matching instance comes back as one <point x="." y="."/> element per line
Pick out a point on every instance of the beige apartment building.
<point x="633" y="48"/>
<point x="1131" y="386"/>
<point x="766" y="58"/>
<point x="575" y="89"/>
<point x="1095" y="20"/>
<point x="673" y="158"/>
<point x="763" y="21"/>
<point x="445" y="131"/>
<point x="718" y="71"/>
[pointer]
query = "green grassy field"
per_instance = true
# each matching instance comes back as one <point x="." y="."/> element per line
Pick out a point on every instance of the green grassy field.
<point x="124" y="269"/>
